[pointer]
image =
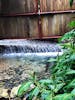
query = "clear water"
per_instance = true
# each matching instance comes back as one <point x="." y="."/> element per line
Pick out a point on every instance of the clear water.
<point x="20" y="58"/>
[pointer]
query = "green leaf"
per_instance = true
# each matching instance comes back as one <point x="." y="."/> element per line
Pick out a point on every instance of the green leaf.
<point x="35" y="92"/>
<point x="45" y="93"/>
<point x="65" y="96"/>
<point x="72" y="57"/>
<point x="23" y="88"/>
<point x="68" y="97"/>
<point x="51" y="87"/>
<point x="73" y="91"/>
<point x="58" y="87"/>
<point x="66" y="45"/>
<point x="71" y="3"/>
<point x="71" y="24"/>
<point x="45" y="81"/>
<point x="60" y="96"/>
<point x="49" y="97"/>
<point x="68" y="35"/>
<point x="70" y="71"/>
<point x="71" y="84"/>
<point x="52" y="60"/>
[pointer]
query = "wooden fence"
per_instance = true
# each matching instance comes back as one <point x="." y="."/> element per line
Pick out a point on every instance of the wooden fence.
<point x="35" y="18"/>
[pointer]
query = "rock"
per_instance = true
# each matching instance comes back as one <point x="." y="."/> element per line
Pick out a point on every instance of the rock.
<point x="4" y="93"/>
<point x="14" y="91"/>
<point x="14" y="71"/>
<point x="2" y="49"/>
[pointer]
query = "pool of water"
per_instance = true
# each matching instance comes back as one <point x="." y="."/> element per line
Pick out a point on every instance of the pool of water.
<point x="14" y="71"/>
<point x="20" y="58"/>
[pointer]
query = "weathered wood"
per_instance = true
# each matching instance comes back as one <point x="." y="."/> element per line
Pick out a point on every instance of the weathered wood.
<point x="34" y="32"/>
<point x="27" y="27"/>
<point x="17" y="6"/>
<point x="18" y="27"/>
<point x="25" y="6"/>
<point x="56" y="24"/>
<point x="55" y="5"/>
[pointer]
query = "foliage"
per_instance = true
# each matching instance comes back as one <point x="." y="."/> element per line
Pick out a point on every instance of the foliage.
<point x="69" y="36"/>
<point x="72" y="24"/>
<point x="61" y="84"/>
<point x="24" y="87"/>
<point x="71" y="2"/>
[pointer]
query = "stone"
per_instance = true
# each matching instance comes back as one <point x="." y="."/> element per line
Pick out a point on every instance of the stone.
<point x="4" y="93"/>
<point x="14" y="91"/>
<point x="14" y="71"/>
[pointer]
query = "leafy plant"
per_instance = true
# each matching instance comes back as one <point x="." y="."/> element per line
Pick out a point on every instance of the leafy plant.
<point x="71" y="2"/>
<point x="61" y="84"/>
<point x="72" y="24"/>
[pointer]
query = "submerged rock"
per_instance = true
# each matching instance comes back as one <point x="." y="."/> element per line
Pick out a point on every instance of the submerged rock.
<point x="14" y="71"/>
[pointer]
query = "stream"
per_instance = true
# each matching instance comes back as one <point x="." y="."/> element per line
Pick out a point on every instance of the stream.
<point x="20" y="58"/>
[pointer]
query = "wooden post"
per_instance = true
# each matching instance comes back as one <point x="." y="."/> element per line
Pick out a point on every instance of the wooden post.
<point x="39" y="20"/>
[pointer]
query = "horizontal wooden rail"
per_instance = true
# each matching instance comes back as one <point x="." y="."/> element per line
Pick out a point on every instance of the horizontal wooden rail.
<point x="49" y="37"/>
<point x="35" y="14"/>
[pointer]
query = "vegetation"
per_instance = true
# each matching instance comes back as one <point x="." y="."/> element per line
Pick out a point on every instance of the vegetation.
<point x="72" y="23"/>
<point x="71" y="2"/>
<point x="61" y="84"/>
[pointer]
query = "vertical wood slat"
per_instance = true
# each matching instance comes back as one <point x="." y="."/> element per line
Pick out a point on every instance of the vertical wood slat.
<point x="34" y="32"/>
<point x="56" y="5"/>
<point x="27" y="27"/>
<point x="17" y="6"/>
<point x="26" y="6"/>
<point x="56" y="24"/>
<point x="19" y="27"/>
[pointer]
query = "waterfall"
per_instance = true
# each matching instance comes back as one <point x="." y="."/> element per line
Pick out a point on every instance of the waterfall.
<point x="29" y="47"/>
<point x="18" y="58"/>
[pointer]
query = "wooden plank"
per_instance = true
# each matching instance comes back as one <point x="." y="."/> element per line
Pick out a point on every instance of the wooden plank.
<point x="56" y="5"/>
<point x="4" y="6"/>
<point x="34" y="32"/>
<point x="17" y="6"/>
<point x="43" y="4"/>
<point x="21" y="27"/>
<point x="25" y="6"/>
<point x="45" y="26"/>
<point x="2" y="31"/>
<point x="56" y="24"/>
<point x="27" y="27"/>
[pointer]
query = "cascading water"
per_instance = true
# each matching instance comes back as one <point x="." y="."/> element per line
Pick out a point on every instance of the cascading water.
<point x="18" y="58"/>
<point x="29" y="47"/>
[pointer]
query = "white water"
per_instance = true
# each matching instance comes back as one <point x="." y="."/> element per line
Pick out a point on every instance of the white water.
<point x="27" y="48"/>
<point x="49" y="54"/>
